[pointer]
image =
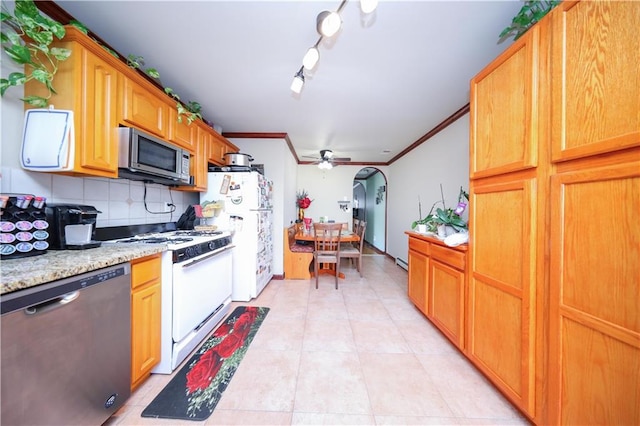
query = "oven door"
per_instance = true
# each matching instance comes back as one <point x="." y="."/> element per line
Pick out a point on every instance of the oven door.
<point x="200" y="286"/>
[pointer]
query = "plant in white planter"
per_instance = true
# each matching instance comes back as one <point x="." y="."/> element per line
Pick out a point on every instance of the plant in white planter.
<point x="427" y="223"/>
<point x="450" y="218"/>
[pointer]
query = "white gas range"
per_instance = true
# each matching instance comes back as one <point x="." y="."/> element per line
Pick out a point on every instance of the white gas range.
<point x="196" y="288"/>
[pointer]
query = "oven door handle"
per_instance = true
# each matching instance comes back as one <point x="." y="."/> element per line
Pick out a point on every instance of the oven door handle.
<point x="209" y="256"/>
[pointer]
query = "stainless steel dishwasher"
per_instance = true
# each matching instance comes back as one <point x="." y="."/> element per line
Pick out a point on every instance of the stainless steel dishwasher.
<point x="66" y="349"/>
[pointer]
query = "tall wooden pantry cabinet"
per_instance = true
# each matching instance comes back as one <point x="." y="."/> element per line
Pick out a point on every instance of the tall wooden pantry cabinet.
<point x="553" y="310"/>
<point x="594" y="229"/>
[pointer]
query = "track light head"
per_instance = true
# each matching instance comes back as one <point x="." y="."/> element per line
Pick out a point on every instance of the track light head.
<point x="298" y="82"/>
<point x="311" y="58"/>
<point x="328" y="23"/>
<point x="368" y="6"/>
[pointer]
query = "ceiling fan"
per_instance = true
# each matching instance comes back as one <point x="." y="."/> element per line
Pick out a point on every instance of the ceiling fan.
<point x="327" y="159"/>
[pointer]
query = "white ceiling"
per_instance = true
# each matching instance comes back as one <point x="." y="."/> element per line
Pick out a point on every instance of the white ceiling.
<point x="382" y="82"/>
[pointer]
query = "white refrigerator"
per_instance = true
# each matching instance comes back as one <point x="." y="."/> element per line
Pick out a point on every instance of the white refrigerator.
<point x="248" y="214"/>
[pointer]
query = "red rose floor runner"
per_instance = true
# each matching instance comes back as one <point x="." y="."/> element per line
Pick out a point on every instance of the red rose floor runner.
<point x="195" y="390"/>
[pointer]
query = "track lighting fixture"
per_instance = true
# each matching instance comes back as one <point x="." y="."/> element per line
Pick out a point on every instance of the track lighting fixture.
<point x="328" y="23"/>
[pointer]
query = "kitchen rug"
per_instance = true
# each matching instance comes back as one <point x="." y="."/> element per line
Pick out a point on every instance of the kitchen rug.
<point x="195" y="390"/>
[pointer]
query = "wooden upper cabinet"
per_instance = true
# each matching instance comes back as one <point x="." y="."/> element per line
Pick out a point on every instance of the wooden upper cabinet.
<point x="182" y="133"/>
<point x="199" y="165"/>
<point x="596" y="78"/>
<point x="504" y="109"/>
<point x="99" y="105"/>
<point x="87" y="84"/>
<point x="142" y="108"/>
<point x="217" y="150"/>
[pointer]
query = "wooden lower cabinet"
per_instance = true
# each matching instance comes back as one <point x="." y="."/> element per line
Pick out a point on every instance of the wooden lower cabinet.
<point x="418" y="273"/>
<point x="437" y="283"/>
<point x="145" y="317"/>
<point x="594" y="371"/>
<point x="446" y="302"/>
<point x="501" y="311"/>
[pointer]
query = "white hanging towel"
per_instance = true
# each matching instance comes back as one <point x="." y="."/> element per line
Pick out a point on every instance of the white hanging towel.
<point x="48" y="140"/>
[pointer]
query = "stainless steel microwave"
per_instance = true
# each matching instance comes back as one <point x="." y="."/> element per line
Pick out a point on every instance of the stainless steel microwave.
<point x="145" y="157"/>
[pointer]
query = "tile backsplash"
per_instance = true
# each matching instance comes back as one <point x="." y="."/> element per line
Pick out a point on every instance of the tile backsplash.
<point x="121" y="201"/>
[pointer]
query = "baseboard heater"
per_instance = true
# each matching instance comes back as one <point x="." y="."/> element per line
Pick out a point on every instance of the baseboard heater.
<point x="402" y="263"/>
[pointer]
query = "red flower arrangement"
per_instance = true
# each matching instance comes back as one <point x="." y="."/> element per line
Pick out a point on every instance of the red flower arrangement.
<point x="302" y="199"/>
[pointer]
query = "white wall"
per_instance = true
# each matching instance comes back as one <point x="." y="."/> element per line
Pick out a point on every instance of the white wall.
<point x="443" y="159"/>
<point x="121" y="201"/>
<point x="326" y="188"/>
<point x="280" y="167"/>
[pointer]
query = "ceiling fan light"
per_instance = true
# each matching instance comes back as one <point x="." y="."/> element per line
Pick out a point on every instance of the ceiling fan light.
<point x="298" y="82"/>
<point x="328" y="23"/>
<point x="311" y="58"/>
<point x="368" y="6"/>
<point x="325" y="165"/>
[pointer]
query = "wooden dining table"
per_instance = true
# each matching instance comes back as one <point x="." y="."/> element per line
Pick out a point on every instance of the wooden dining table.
<point x="346" y="236"/>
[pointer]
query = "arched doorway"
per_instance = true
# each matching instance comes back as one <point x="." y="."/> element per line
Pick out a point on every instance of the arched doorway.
<point x="370" y="204"/>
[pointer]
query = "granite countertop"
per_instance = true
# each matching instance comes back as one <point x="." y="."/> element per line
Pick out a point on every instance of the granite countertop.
<point x="18" y="274"/>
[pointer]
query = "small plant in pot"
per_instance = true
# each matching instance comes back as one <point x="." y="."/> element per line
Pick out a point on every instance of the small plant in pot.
<point x="449" y="220"/>
<point x="426" y="224"/>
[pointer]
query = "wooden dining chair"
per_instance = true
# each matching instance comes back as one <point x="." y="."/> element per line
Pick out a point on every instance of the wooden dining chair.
<point x="326" y="247"/>
<point x="348" y="250"/>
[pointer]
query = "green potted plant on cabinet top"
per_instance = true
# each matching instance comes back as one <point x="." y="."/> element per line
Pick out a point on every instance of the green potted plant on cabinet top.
<point x="26" y="39"/>
<point x="443" y="217"/>
<point x="449" y="220"/>
<point x="425" y="224"/>
<point x="528" y="16"/>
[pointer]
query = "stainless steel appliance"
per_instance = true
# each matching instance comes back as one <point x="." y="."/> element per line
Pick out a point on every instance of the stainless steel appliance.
<point x="66" y="349"/>
<point x="237" y="159"/>
<point x="72" y="226"/>
<point x="145" y="157"/>
<point x="196" y="288"/>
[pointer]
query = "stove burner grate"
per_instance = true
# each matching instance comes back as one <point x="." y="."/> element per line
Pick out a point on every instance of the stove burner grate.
<point x="198" y="233"/>
<point x="157" y="240"/>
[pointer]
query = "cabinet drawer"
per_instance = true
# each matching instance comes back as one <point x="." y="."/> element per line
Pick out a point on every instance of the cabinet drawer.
<point x="447" y="256"/>
<point x="419" y="246"/>
<point x="145" y="270"/>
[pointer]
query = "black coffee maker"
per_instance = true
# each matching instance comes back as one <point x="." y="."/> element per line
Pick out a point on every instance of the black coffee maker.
<point x="73" y="226"/>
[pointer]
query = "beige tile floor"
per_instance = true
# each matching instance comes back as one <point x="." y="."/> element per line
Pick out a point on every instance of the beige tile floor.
<point x="361" y="354"/>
